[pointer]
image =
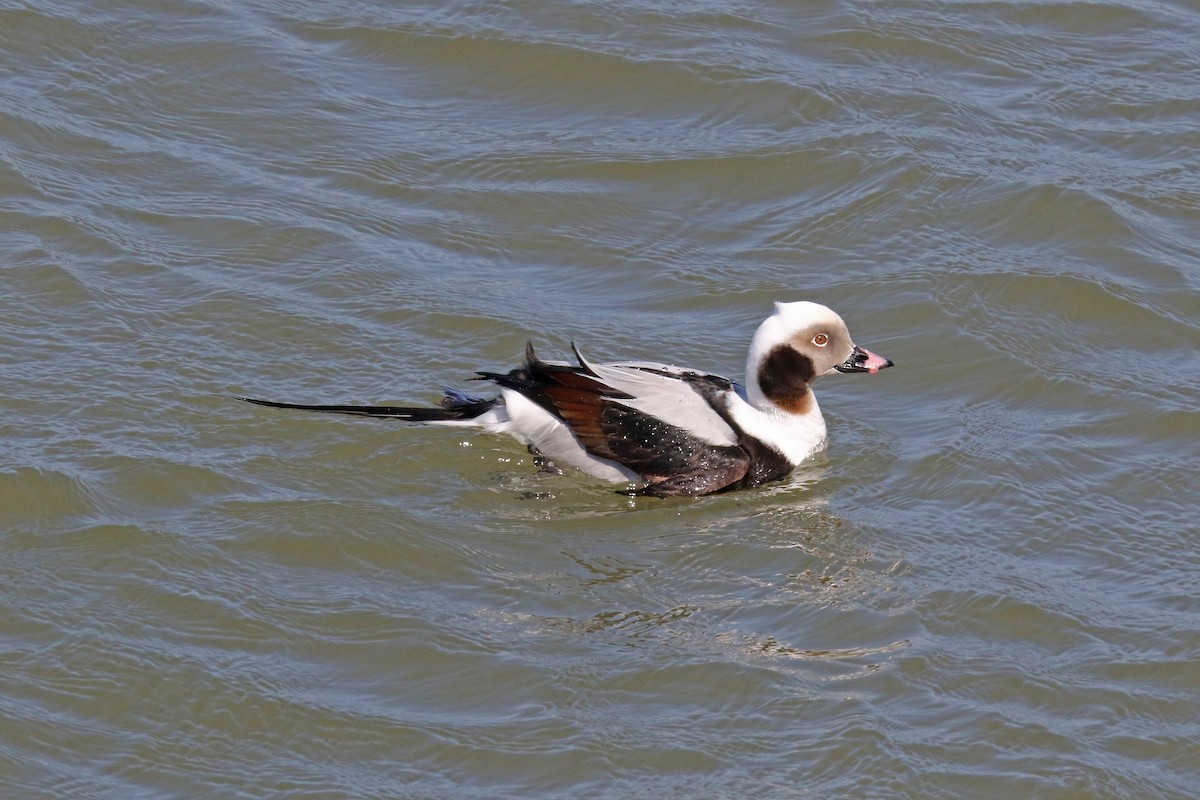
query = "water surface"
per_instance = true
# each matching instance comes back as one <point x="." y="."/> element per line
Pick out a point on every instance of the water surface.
<point x="986" y="587"/>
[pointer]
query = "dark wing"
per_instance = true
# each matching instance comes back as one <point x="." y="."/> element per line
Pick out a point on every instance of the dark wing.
<point x="671" y="459"/>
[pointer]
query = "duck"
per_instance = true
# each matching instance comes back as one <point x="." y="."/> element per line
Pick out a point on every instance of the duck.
<point x="660" y="429"/>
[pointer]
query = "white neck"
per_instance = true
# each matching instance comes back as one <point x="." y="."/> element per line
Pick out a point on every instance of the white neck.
<point x="797" y="436"/>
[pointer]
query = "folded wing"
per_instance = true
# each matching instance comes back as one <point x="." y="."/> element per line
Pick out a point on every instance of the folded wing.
<point x="655" y="420"/>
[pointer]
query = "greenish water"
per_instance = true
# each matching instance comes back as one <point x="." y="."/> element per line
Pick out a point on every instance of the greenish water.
<point x="986" y="587"/>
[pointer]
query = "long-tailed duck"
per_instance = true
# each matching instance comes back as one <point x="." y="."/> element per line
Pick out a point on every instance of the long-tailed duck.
<point x="675" y="430"/>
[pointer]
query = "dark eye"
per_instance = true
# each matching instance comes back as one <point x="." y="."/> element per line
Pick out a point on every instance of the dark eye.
<point x="820" y="340"/>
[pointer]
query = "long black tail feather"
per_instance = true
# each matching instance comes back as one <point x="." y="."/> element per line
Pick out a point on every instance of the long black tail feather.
<point x="455" y="406"/>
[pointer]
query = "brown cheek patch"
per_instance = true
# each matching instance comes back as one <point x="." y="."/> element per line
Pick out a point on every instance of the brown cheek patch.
<point x="783" y="378"/>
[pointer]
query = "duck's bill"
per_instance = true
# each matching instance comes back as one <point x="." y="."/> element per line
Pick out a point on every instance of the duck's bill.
<point x="863" y="360"/>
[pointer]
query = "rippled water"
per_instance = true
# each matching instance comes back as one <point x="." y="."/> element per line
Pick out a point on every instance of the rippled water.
<point x="987" y="587"/>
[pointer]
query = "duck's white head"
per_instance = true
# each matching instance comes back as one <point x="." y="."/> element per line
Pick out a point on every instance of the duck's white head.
<point x="797" y="343"/>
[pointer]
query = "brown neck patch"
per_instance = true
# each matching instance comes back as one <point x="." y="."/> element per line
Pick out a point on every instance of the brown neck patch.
<point x="783" y="377"/>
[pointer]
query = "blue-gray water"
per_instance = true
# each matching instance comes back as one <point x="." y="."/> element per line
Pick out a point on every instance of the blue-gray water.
<point x="987" y="587"/>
